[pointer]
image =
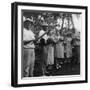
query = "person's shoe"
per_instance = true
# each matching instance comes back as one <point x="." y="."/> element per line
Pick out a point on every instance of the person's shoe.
<point x="58" y="66"/>
<point x="26" y="72"/>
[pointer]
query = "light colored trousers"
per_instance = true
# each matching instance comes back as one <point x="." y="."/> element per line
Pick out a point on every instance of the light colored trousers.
<point x="28" y="62"/>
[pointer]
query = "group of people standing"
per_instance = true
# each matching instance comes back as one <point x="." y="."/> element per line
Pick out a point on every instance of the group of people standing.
<point x="53" y="48"/>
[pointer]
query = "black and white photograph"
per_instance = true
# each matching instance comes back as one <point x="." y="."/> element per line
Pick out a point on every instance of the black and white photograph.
<point x="50" y="44"/>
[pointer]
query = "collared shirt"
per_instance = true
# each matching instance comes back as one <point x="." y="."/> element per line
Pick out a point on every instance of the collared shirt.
<point x="41" y="33"/>
<point x="28" y="35"/>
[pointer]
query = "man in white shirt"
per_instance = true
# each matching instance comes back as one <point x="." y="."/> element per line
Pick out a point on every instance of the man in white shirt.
<point x="41" y="33"/>
<point x="29" y="53"/>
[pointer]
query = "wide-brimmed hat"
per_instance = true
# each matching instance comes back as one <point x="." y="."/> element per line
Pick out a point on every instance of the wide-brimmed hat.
<point x="30" y="20"/>
<point x="27" y="22"/>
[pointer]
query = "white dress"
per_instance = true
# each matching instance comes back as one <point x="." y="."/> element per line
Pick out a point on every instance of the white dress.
<point x="59" y="50"/>
<point x="50" y="58"/>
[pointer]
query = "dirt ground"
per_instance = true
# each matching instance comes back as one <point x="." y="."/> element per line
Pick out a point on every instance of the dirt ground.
<point x="67" y="68"/>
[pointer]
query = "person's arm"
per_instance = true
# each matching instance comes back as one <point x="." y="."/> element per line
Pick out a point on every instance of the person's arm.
<point x="27" y="42"/>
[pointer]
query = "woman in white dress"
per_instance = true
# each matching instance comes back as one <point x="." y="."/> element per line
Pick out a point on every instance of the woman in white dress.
<point x="59" y="50"/>
<point x="50" y="41"/>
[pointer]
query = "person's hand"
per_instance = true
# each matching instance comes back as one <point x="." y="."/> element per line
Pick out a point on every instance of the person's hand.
<point x="34" y="41"/>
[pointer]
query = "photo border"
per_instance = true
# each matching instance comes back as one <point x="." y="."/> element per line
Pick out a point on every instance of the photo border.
<point x="14" y="43"/>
